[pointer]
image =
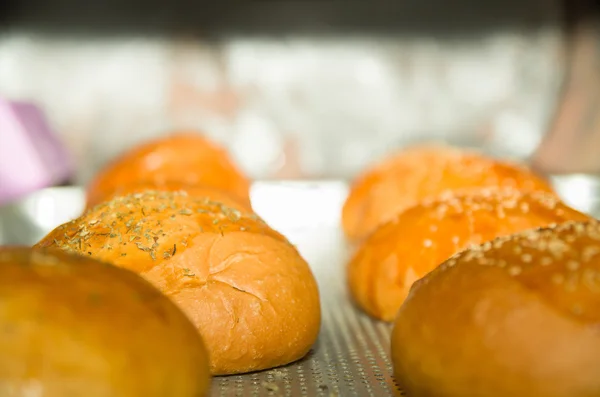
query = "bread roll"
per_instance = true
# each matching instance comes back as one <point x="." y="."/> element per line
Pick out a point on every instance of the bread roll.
<point x="417" y="240"/>
<point x="416" y="173"/>
<point x="246" y="288"/>
<point x="199" y="191"/>
<point x="72" y="326"/>
<point x="514" y="317"/>
<point x="183" y="157"/>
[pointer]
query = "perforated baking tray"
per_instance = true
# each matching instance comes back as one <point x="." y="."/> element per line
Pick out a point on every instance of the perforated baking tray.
<point x="351" y="357"/>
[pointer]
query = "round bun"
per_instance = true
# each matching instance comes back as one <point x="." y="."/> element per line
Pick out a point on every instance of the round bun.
<point x="514" y="317"/>
<point x="184" y="157"/>
<point x="252" y="296"/>
<point x="199" y="191"/>
<point x="417" y="240"/>
<point x="411" y="175"/>
<point x="73" y="326"/>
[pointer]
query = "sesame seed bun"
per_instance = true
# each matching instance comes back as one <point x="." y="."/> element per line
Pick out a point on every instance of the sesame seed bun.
<point x="417" y="240"/>
<point x="514" y="317"/>
<point x="405" y="178"/>
<point x="252" y="296"/>
<point x="73" y="326"/>
<point x="184" y="157"/>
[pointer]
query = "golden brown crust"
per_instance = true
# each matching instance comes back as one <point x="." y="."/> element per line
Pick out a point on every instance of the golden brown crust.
<point x="212" y="194"/>
<point x="184" y="157"/>
<point x="247" y="289"/>
<point x="517" y="316"/>
<point x="411" y="175"/>
<point x="75" y="326"/>
<point x="403" y="250"/>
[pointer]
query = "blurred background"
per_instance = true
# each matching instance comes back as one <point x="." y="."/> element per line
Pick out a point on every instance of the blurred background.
<point x="311" y="89"/>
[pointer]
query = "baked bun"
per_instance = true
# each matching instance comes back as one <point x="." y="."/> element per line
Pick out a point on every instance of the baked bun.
<point x="73" y="326"/>
<point x="419" y="172"/>
<point x="188" y="158"/>
<point x="199" y="191"/>
<point x="246" y="288"/>
<point x="515" y="317"/>
<point x="417" y="240"/>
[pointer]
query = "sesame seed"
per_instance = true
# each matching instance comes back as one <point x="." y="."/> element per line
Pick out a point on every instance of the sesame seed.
<point x="589" y="252"/>
<point x="570" y="238"/>
<point x="514" y="270"/>
<point x="427" y="243"/>
<point x="450" y="262"/>
<point x="572" y="265"/>
<point x="484" y="261"/>
<point x="579" y="228"/>
<point x="517" y="250"/>
<point x="557" y="248"/>
<point x="557" y="278"/>
<point x="546" y="261"/>
<point x="486" y="246"/>
<point x="526" y="258"/>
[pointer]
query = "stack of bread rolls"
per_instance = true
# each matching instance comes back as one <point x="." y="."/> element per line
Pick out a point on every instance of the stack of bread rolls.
<point x="491" y="281"/>
<point x="410" y="212"/>
<point x="177" y="212"/>
<point x="418" y="239"/>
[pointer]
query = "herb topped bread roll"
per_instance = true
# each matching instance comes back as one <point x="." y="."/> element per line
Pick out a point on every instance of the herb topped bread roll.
<point x="199" y="191"/>
<point x="515" y="317"/>
<point x="183" y="157"/>
<point x="252" y="296"/>
<point x="411" y="175"/>
<point x="417" y="240"/>
<point x="73" y="326"/>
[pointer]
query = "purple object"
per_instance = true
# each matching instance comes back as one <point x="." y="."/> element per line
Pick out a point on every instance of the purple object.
<point x="31" y="155"/>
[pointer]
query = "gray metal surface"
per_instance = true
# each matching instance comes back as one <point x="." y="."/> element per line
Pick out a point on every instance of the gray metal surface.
<point x="351" y="357"/>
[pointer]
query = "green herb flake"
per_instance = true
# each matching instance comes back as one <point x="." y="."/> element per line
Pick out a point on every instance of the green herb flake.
<point x="142" y="247"/>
